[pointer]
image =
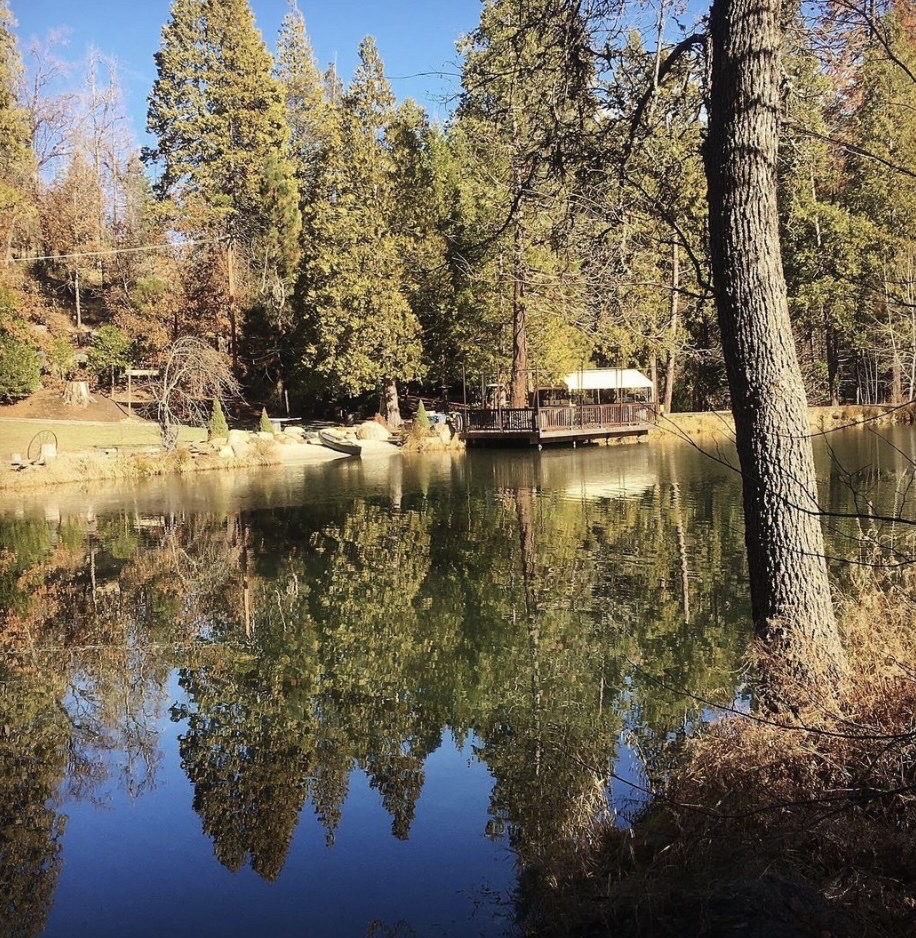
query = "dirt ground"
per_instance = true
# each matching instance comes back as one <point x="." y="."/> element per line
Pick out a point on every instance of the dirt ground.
<point x="49" y="405"/>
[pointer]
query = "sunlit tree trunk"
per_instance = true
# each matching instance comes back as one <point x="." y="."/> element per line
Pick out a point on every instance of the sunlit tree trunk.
<point x="673" y="327"/>
<point x="790" y="594"/>
<point x="518" y="385"/>
<point x="518" y="392"/>
<point x="392" y="405"/>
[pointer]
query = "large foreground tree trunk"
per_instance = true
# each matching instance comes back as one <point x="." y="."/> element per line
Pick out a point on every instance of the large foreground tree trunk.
<point x="790" y="593"/>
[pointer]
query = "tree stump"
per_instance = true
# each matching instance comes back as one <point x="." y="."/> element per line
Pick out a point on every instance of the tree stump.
<point x="76" y="394"/>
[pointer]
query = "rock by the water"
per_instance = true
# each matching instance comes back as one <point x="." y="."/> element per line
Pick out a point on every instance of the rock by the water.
<point x="371" y="430"/>
<point x="226" y="452"/>
<point x="239" y="442"/>
<point x="444" y="432"/>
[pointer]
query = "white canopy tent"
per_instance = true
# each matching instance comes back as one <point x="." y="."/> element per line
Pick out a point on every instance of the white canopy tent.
<point x="607" y="379"/>
<point x="618" y="380"/>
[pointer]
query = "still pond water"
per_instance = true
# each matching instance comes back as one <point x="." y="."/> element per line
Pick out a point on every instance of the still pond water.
<point x="359" y="699"/>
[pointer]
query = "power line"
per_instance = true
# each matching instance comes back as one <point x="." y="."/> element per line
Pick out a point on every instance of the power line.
<point x="110" y="251"/>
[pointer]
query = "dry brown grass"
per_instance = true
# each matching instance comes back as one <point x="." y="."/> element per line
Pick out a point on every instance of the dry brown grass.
<point x="84" y="467"/>
<point x="820" y="419"/>
<point x="774" y="825"/>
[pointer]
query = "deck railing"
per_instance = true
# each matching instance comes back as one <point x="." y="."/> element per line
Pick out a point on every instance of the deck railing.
<point x="558" y="419"/>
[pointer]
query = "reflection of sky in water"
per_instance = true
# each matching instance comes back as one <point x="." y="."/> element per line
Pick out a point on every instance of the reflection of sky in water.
<point x="565" y="587"/>
<point x="142" y="867"/>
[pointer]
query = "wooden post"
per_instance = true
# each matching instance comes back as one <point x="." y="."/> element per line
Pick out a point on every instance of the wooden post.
<point x="136" y="373"/>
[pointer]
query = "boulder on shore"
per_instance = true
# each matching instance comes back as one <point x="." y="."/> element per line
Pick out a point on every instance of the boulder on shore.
<point x="372" y="430"/>
<point x="239" y="442"/>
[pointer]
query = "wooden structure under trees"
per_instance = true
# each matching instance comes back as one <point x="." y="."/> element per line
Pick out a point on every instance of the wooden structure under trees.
<point x="591" y="404"/>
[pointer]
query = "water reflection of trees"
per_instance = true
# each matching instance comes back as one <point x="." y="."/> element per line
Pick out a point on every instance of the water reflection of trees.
<point x="315" y="640"/>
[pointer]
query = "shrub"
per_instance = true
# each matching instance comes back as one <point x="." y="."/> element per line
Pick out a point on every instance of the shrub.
<point x="218" y="427"/>
<point x="110" y="349"/>
<point x="421" y="421"/>
<point x="9" y="302"/>
<point x="265" y="425"/>
<point x="61" y="360"/>
<point x="20" y="368"/>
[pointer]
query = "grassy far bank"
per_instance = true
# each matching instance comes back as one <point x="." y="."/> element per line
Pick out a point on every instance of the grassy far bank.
<point x="74" y="436"/>
<point x="820" y="419"/>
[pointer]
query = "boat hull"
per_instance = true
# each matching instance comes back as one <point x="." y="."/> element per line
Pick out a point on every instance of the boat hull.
<point x="338" y="443"/>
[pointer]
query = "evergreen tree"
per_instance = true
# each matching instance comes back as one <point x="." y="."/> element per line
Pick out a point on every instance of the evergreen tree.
<point x="358" y="331"/>
<point x="216" y="111"/>
<point x="246" y="123"/>
<point x="15" y="157"/>
<point x="218" y="428"/>
<point x="422" y="202"/>
<point x="421" y="420"/>
<point x="304" y="90"/>
<point x="177" y="103"/>
<point x="218" y="114"/>
<point x="884" y="125"/>
<point x="525" y="82"/>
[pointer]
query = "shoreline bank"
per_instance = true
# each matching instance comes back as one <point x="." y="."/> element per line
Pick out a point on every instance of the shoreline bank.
<point x="90" y="465"/>
<point x="820" y="420"/>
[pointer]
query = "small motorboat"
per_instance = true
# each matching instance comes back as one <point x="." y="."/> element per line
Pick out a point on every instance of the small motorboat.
<point x="338" y="442"/>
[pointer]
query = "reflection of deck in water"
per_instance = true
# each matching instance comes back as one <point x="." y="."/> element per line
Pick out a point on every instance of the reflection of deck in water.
<point x="566" y="424"/>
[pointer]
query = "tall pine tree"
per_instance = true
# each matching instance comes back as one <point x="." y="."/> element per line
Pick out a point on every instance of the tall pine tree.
<point x="218" y="115"/>
<point x="15" y="158"/>
<point x="307" y="107"/>
<point x="358" y="331"/>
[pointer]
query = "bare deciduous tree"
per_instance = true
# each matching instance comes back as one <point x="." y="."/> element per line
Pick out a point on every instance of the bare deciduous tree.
<point x="193" y="374"/>
<point x="52" y="114"/>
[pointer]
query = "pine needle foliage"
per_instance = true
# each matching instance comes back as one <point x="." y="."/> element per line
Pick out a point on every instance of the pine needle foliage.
<point x="218" y="428"/>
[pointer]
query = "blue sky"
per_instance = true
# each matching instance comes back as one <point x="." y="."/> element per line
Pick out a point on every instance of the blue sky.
<point x="413" y="36"/>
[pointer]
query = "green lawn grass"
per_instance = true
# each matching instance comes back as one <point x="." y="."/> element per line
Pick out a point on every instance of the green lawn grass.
<point x="73" y="436"/>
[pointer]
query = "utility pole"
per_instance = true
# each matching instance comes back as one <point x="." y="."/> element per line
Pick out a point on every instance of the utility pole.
<point x="76" y="286"/>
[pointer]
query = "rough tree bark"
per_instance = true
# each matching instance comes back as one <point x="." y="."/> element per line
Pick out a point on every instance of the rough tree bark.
<point x="392" y="405"/>
<point x="518" y="390"/>
<point x="673" y="327"/>
<point x="518" y="385"/>
<point x="790" y="594"/>
<point x="76" y="394"/>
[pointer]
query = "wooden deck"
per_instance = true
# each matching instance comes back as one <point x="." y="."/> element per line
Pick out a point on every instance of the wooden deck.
<point x="543" y="425"/>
